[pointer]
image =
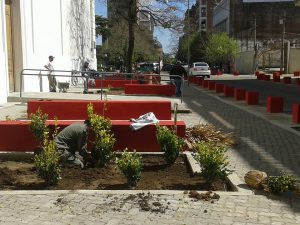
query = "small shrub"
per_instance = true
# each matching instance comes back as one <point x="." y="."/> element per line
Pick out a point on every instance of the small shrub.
<point x="104" y="139"/>
<point x="47" y="162"/>
<point x="169" y="143"/>
<point x="213" y="161"/>
<point x="38" y="125"/>
<point x="282" y="183"/>
<point x="131" y="166"/>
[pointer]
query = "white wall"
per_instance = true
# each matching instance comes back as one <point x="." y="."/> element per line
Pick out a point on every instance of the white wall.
<point x="221" y="14"/>
<point x="294" y="62"/>
<point x="244" y="62"/>
<point x="3" y="58"/>
<point x="49" y="28"/>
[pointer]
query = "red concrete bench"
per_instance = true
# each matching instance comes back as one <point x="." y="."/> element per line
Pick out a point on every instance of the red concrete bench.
<point x="239" y="94"/>
<point x="252" y="97"/>
<point x="219" y="88"/>
<point x="16" y="135"/>
<point x="112" y="83"/>
<point x="112" y="109"/>
<point x="150" y="89"/>
<point x="287" y="80"/>
<point x="228" y="91"/>
<point x="296" y="113"/>
<point x="274" y="104"/>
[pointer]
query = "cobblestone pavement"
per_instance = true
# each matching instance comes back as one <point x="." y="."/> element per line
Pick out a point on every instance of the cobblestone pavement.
<point x="262" y="144"/>
<point x="174" y="208"/>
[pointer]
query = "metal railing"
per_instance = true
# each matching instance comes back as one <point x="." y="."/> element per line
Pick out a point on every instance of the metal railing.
<point x="141" y="77"/>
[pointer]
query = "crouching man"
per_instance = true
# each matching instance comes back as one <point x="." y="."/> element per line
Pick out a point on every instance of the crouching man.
<point x="72" y="144"/>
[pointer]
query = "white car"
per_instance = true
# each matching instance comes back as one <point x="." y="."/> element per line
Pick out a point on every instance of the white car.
<point x="200" y="69"/>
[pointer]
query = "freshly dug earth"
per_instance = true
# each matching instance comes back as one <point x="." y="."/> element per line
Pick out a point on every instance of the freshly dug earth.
<point x="156" y="175"/>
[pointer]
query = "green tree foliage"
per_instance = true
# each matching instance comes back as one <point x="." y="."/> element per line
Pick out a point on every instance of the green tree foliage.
<point x="197" y="42"/>
<point x="220" y="48"/>
<point x="102" y="27"/>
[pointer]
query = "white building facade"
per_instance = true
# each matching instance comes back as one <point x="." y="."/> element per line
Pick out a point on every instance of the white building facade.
<point x="31" y="30"/>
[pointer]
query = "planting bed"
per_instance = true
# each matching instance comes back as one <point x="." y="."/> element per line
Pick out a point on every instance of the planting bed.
<point x="156" y="175"/>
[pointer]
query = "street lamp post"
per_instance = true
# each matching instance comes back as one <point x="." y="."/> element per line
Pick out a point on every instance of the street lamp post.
<point x="282" y="21"/>
<point x="188" y="53"/>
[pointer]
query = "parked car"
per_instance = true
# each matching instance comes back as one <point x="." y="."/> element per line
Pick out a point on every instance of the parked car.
<point x="200" y="69"/>
<point x="150" y="67"/>
<point x="167" y="68"/>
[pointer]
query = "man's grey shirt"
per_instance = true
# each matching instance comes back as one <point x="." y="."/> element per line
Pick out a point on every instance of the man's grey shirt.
<point x="73" y="138"/>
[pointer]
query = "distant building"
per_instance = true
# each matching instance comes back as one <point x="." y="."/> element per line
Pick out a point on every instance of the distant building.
<point x="30" y="31"/>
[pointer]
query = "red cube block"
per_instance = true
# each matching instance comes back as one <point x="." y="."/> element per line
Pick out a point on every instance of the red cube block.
<point x="296" y="73"/>
<point x="239" y="94"/>
<point x="211" y="85"/>
<point x="276" y="78"/>
<point x="205" y="83"/>
<point x="267" y="77"/>
<point x="229" y="91"/>
<point x="219" y="88"/>
<point x="287" y="80"/>
<point x="252" y="97"/>
<point x="296" y="113"/>
<point x="274" y="104"/>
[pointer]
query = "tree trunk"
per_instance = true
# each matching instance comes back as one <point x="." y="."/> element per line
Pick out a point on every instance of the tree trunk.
<point x="132" y="16"/>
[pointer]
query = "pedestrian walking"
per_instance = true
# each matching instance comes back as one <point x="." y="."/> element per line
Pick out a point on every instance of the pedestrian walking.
<point x="51" y="74"/>
<point x="178" y="70"/>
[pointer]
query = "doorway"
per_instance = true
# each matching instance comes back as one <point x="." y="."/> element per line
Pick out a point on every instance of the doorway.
<point x="9" y="42"/>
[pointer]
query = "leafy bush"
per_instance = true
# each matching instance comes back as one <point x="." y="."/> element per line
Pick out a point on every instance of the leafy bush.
<point x="104" y="139"/>
<point x="131" y="166"/>
<point x="47" y="162"/>
<point x="169" y="143"/>
<point x="38" y="125"/>
<point x="213" y="161"/>
<point x="282" y="183"/>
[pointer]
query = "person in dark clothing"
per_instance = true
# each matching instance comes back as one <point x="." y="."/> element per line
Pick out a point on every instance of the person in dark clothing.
<point x="72" y="144"/>
<point x="178" y="70"/>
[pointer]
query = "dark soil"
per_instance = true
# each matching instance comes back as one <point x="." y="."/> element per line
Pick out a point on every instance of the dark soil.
<point x="156" y="175"/>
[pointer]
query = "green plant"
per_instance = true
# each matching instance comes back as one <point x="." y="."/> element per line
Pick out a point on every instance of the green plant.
<point x="131" y="166"/>
<point x="104" y="139"/>
<point x="38" y="125"/>
<point x="169" y="143"/>
<point x="282" y="183"/>
<point x="47" y="162"/>
<point x="213" y="160"/>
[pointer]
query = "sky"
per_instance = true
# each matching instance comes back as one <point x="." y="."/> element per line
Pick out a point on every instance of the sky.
<point x="164" y="36"/>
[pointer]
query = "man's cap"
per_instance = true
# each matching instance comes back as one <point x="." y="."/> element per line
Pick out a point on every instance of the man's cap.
<point x="51" y="56"/>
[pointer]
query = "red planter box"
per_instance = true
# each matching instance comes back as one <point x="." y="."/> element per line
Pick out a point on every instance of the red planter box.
<point x="16" y="135"/>
<point x="296" y="73"/>
<point x="274" y="104"/>
<point x="112" y="109"/>
<point x="267" y="77"/>
<point x="276" y="78"/>
<point x="296" y="113"/>
<point x="287" y="80"/>
<point x="150" y="89"/>
<point x="252" y="97"/>
<point x="229" y="91"/>
<point x="211" y="85"/>
<point x="236" y="73"/>
<point x="219" y="88"/>
<point x="239" y="94"/>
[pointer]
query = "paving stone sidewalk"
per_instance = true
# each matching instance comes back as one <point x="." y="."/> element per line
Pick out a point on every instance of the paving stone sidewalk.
<point x="261" y="145"/>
